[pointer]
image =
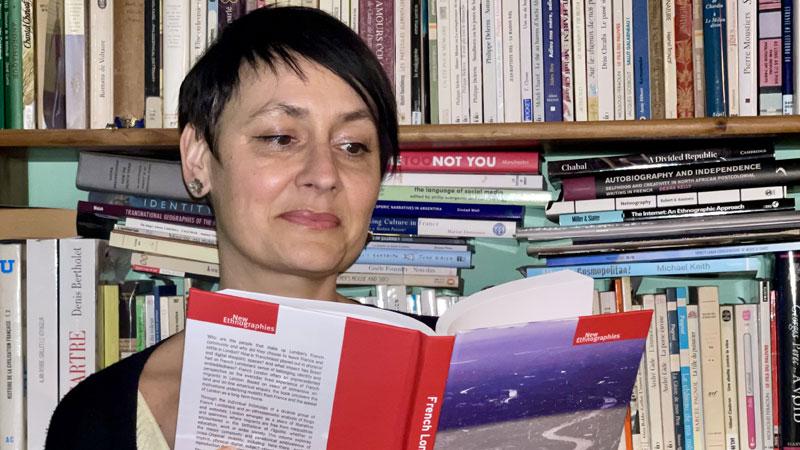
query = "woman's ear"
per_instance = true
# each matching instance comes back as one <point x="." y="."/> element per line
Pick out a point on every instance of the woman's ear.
<point x="195" y="162"/>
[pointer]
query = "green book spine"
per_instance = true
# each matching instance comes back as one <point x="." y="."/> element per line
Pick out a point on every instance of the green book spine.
<point x="433" y="62"/>
<point x="3" y="40"/>
<point x="12" y="63"/>
<point x="465" y="195"/>
<point x="140" y="331"/>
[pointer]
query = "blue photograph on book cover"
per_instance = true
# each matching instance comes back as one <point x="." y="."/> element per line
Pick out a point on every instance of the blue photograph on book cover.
<point x="530" y="385"/>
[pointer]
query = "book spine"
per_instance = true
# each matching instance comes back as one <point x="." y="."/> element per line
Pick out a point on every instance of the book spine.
<point x="787" y="268"/>
<point x="464" y="57"/>
<point x="369" y="279"/>
<point x="157" y="178"/>
<point x="107" y="325"/>
<point x="795" y="61"/>
<point x="28" y="64"/>
<point x="665" y="372"/>
<point x="443" y="70"/>
<point x="499" y="68"/>
<point x="670" y="70"/>
<point x="466" y="228"/>
<point x="383" y="269"/>
<point x="212" y="22"/>
<point x="355" y="11"/>
<point x="475" y="84"/>
<point x="185" y="232"/>
<point x="710" y="210"/>
<point x="748" y="80"/>
<point x="469" y="162"/>
<point x="464" y="195"/>
<point x="770" y="77"/>
<point x="698" y="59"/>
<point x="457" y="33"/>
<point x="432" y="59"/>
<point x="41" y="283"/>
<point x="403" y="82"/>
<point x="175" y="22"/>
<point x="714" y="44"/>
<point x="551" y="44"/>
<point x="75" y="64"/>
<point x="12" y="60"/>
<point x="732" y="55"/>
<point x="764" y="355"/>
<point x="153" y="103"/>
<point x="394" y="225"/>
<point x="674" y="359"/>
<point x="657" y="82"/>
<point x="685" y="369"/>
<point x="729" y="377"/>
<point x="402" y="257"/>
<point x="377" y="29"/>
<point x="129" y="68"/>
<point x="566" y="220"/>
<point x="618" y="45"/>
<point x="787" y="82"/>
<point x="696" y="375"/>
<point x="641" y="59"/>
<point x="592" y="61"/>
<point x="141" y="323"/>
<point x="465" y="180"/>
<point x="40" y="54"/>
<point x="748" y="373"/>
<point x="229" y="11"/>
<point x="642" y="419"/>
<point x="512" y="88"/>
<point x="683" y="59"/>
<point x="628" y="60"/>
<point x="101" y="63"/>
<point x="416" y="63"/>
<point x="776" y="397"/>
<point x="579" y="57"/>
<point x="12" y="301"/>
<point x="177" y="249"/>
<point x="163" y="320"/>
<point x="151" y="203"/>
<point x="711" y="367"/>
<point x="526" y="59"/>
<point x="653" y="382"/>
<point x="143" y="262"/>
<point x="448" y="211"/>
<point x="420" y="245"/>
<point x="489" y="61"/>
<point x="567" y="82"/>
<point x="418" y="240"/>
<point x="198" y="18"/>
<point x="698" y="266"/>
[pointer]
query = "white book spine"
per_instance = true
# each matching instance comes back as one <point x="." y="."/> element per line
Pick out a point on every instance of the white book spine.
<point x="537" y="61"/>
<point x="605" y="61"/>
<point x="41" y="330"/>
<point x="12" y="394"/>
<point x="402" y="22"/>
<point x="526" y="60"/>
<point x="653" y="387"/>
<point x="101" y="63"/>
<point x="592" y="88"/>
<point x="567" y="88"/>
<point x="456" y="67"/>
<point x="500" y="61"/>
<point x="627" y="59"/>
<point x="608" y="302"/>
<point x="475" y="67"/>
<point x="336" y="9"/>
<point x="327" y="5"/>
<point x="354" y="12"/>
<point x="696" y="375"/>
<point x="404" y="246"/>
<point x="75" y="64"/>
<point x="465" y="180"/>
<point x="664" y="374"/>
<point x="176" y="314"/>
<point x="698" y="60"/>
<point x="443" y="49"/>
<point x="466" y="228"/>
<point x="732" y="58"/>
<point x="579" y="57"/>
<point x="489" y="58"/>
<point x="153" y="225"/>
<point x="78" y="281"/>
<point x="670" y="68"/>
<point x="464" y="75"/>
<point x="175" y="44"/>
<point x="150" y="320"/>
<point x="618" y="35"/>
<point x="163" y="312"/>
<point x="748" y="63"/>
<point x="711" y="365"/>
<point x="765" y="354"/>
<point x="198" y="18"/>
<point x="640" y="388"/>
<point x="729" y="377"/>
<point x="748" y="372"/>
<point x="397" y="270"/>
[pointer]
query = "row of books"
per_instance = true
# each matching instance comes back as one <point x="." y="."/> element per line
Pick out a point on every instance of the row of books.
<point x="450" y="62"/>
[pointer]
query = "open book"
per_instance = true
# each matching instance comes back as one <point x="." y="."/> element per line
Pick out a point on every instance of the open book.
<point x="506" y="368"/>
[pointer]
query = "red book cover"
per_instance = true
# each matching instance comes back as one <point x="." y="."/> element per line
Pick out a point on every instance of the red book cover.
<point x="683" y="57"/>
<point x="469" y="162"/>
<point x="376" y="28"/>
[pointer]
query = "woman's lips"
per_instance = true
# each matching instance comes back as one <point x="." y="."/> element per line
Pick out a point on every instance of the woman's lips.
<point x="313" y="220"/>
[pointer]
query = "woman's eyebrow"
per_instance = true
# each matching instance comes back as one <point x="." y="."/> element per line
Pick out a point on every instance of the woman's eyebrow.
<point x="290" y="110"/>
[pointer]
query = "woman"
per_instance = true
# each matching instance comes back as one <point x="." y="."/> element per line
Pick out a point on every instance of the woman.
<point x="287" y="127"/>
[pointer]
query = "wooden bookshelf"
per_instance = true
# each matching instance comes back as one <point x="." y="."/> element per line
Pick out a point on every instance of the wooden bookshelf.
<point x="447" y="136"/>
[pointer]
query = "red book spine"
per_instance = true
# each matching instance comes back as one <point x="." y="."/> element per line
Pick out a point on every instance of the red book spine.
<point x="683" y="57"/>
<point x="469" y="162"/>
<point x="376" y="28"/>
<point x="121" y="211"/>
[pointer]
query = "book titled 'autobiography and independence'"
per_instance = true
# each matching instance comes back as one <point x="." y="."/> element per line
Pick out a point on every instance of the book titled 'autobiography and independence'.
<point x="270" y="372"/>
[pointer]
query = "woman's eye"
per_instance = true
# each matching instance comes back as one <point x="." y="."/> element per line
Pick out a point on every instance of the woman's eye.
<point x="279" y="139"/>
<point x="354" y="148"/>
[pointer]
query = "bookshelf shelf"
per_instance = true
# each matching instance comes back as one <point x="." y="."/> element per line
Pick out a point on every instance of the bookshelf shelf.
<point x="447" y="136"/>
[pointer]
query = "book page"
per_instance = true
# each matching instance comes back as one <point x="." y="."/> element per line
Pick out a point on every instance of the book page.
<point x="257" y="375"/>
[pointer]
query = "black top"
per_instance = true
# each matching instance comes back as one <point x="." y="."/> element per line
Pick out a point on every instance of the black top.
<point x="100" y="412"/>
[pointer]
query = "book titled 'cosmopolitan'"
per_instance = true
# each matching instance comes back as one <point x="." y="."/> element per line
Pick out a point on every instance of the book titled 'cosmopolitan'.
<point x="269" y="372"/>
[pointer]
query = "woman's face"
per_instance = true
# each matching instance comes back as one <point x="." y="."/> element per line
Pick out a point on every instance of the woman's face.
<point x="298" y="173"/>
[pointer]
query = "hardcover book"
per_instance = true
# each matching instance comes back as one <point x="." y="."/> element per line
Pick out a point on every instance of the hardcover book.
<point x="485" y="379"/>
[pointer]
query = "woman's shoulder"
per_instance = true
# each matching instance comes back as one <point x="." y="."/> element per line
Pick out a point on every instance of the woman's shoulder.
<point x="100" y="412"/>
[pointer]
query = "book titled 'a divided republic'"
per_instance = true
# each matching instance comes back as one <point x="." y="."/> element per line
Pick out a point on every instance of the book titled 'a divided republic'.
<point x="506" y="368"/>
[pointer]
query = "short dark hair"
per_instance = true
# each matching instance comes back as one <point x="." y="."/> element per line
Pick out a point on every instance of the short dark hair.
<point x="273" y="35"/>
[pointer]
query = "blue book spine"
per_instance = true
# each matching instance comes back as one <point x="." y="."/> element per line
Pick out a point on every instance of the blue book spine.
<point x="640" y="269"/>
<point x="403" y="257"/>
<point x="551" y="41"/>
<point x="567" y="220"/>
<point x="393" y="225"/>
<point x="715" y="47"/>
<point x="787" y="88"/>
<point x="675" y="367"/>
<point x="686" y="380"/>
<point x="151" y="203"/>
<point x="448" y="210"/>
<point x="641" y="59"/>
<point x="673" y="255"/>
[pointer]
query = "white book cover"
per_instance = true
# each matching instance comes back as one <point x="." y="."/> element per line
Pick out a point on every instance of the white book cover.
<point x="41" y="281"/>
<point x="711" y="366"/>
<point x="748" y="61"/>
<point x="670" y="68"/>
<point x="163" y="318"/>
<point x="77" y="82"/>
<point x="696" y="375"/>
<point x="475" y="84"/>
<point x="765" y="356"/>
<point x="618" y="36"/>
<point x="627" y="59"/>
<point x="592" y="87"/>
<point x="730" y="393"/>
<point x="497" y="181"/>
<point x="605" y="60"/>
<point x="732" y="59"/>
<point x="489" y="58"/>
<point x="198" y="19"/>
<point x="499" y="67"/>
<point x="664" y="371"/>
<point x="464" y="75"/>
<point x="444" y="45"/>
<point x="456" y="62"/>
<point x="579" y="59"/>
<point x="642" y="403"/>
<point x="402" y="29"/>
<point x="526" y="60"/>
<point x="749" y="374"/>
<point x="698" y="60"/>
<point x="537" y="60"/>
<point x="567" y="89"/>
<point x="12" y="301"/>
<point x="653" y="385"/>
<point x="176" y="55"/>
<point x="78" y="264"/>
<point x="466" y="228"/>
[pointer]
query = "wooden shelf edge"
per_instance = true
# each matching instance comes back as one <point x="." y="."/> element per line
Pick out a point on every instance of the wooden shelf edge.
<point x="447" y="136"/>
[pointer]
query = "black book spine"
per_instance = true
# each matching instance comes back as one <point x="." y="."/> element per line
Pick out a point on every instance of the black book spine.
<point x="787" y="271"/>
<point x="152" y="48"/>
<point x="416" y="62"/>
<point x="677" y="212"/>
